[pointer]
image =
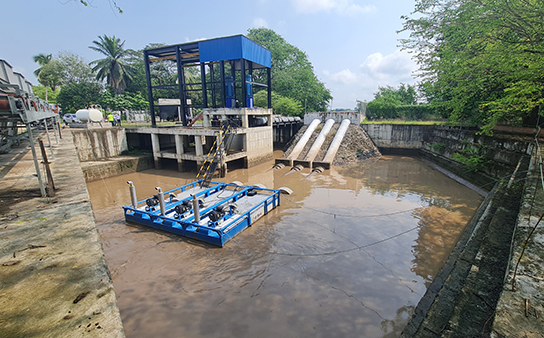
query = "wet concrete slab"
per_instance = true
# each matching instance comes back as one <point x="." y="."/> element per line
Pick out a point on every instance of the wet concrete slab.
<point x="54" y="281"/>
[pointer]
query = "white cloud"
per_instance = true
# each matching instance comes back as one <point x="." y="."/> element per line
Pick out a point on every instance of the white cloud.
<point x="260" y="23"/>
<point x="345" y="76"/>
<point x="346" y="7"/>
<point x="377" y="70"/>
<point x="394" y="67"/>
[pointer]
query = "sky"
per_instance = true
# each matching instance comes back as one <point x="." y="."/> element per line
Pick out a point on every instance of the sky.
<point x="352" y="44"/>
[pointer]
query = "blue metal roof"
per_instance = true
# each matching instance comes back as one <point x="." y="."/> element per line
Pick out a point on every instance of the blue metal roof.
<point x="234" y="48"/>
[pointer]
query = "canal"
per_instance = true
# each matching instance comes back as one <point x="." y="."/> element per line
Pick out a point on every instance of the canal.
<point x="349" y="254"/>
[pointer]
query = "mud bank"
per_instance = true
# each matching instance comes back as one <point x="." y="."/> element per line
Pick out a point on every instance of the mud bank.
<point x="54" y="281"/>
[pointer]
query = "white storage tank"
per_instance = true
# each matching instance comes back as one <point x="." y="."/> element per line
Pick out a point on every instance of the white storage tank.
<point x="89" y="115"/>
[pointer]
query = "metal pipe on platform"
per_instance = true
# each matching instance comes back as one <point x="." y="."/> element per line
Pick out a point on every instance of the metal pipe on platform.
<point x="161" y="200"/>
<point x="196" y="209"/>
<point x="133" y="195"/>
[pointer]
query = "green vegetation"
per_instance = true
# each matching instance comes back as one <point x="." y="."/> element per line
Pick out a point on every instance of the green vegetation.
<point x="480" y="61"/>
<point x="282" y="105"/>
<point x="75" y="96"/>
<point x="391" y="103"/>
<point x="472" y="157"/>
<point x="416" y="122"/>
<point x="114" y="67"/>
<point x="438" y="147"/>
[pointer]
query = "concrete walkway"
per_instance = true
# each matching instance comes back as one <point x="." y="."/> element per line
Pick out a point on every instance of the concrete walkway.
<point x="54" y="281"/>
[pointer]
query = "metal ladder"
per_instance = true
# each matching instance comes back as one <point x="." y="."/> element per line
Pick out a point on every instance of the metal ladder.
<point x="215" y="155"/>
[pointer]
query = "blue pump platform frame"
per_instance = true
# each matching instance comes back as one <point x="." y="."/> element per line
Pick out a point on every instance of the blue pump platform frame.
<point x="243" y="204"/>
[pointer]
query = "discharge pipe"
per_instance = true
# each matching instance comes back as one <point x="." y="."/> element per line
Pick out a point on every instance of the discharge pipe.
<point x="304" y="139"/>
<point x="161" y="200"/>
<point x="333" y="149"/>
<point x="319" y="140"/>
<point x="133" y="194"/>
<point x="196" y="209"/>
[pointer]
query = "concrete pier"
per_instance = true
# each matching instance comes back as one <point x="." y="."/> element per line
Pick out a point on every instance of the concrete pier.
<point x="54" y="281"/>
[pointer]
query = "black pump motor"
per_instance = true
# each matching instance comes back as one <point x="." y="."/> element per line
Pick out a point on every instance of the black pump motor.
<point x="183" y="207"/>
<point x="152" y="201"/>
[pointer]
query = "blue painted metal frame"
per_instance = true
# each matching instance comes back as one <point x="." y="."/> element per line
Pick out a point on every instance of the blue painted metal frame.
<point x="186" y="226"/>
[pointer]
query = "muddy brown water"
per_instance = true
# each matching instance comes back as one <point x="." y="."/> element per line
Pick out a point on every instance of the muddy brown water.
<point x="349" y="254"/>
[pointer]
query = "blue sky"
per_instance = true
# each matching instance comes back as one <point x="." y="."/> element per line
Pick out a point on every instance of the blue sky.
<point x="352" y="44"/>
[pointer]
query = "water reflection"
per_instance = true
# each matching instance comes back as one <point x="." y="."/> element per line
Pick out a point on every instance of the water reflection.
<point x="300" y="270"/>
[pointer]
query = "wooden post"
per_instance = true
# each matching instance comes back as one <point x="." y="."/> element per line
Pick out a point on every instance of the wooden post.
<point x="50" y="183"/>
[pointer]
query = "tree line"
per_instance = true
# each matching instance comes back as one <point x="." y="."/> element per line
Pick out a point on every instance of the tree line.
<point x="117" y="80"/>
<point x="481" y="61"/>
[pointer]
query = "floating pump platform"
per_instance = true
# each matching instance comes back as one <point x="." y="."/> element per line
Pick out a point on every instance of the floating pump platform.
<point x="211" y="212"/>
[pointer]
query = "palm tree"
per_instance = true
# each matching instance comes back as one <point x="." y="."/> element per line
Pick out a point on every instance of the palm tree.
<point x="114" y="68"/>
<point x="42" y="60"/>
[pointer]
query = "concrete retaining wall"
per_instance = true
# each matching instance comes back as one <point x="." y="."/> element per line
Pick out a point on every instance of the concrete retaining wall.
<point x="392" y="136"/>
<point x="259" y="145"/>
<point x="355" y="117"/>
<point x="500" y="153"/>
<point x="99" y="143"/>
<point x="97" y="170"/>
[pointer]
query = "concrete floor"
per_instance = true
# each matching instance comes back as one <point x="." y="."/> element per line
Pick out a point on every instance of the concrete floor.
<point x="54" y="281"/>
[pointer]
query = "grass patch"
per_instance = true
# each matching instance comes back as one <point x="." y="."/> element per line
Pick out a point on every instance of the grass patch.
<point x="416" y="122"/>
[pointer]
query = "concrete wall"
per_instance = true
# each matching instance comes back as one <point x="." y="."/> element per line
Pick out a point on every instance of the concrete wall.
<point x="93" y="171"/>
<point x="438" y="143"/>
<point x="400" y="136"/>
<point x="355" y="117"/>
<point x="99" y="143"/>
<point x="258" y="145"/>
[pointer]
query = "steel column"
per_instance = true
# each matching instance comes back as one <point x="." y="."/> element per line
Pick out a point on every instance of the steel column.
<point x="204" y="85"/>
<point x="149" y="90"/>
<point x="223" y="93"/>
<point x="244" y="91"/>
<point x="269" y="83"/>
<point x="212" y="80"/>
<point x="181" y="85"/>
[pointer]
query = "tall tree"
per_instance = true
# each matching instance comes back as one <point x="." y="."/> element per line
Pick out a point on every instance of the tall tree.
<point x="74" y="68"/>
<point x="480" y="60"/>
<point x="114" y="67"/>
<point x="292" y="73"/>
<point x="76" y="96"/>
<point x="42" y="60"/>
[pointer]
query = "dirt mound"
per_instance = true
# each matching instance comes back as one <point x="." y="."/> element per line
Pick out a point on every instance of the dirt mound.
<point x="355" y="146"/>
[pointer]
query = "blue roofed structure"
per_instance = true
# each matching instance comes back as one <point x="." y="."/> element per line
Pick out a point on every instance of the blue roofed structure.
<point x="229" y="68"/>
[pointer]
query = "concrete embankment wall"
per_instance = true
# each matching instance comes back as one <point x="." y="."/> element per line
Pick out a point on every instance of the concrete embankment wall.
<point x="99" y="143"/>
<point x="494" y="156"/>
<point x="99" y="150"/>
<point x="96" y="170"/>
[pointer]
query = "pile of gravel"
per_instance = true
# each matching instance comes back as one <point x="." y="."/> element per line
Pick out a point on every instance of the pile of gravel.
<point x="356" y="146"/>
